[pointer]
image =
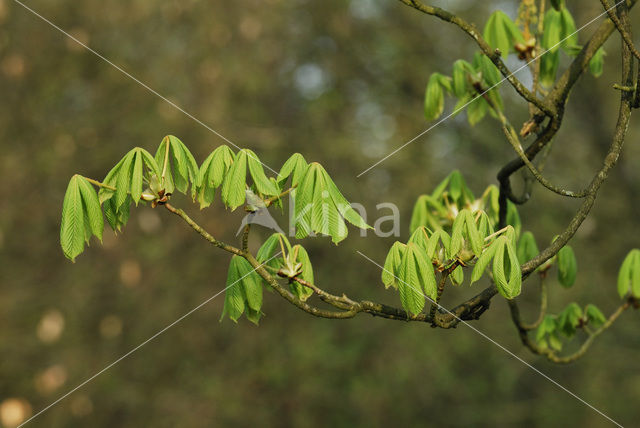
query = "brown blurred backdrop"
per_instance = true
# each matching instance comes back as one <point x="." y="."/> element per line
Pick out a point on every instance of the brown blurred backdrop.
<point x="342" y="82"/>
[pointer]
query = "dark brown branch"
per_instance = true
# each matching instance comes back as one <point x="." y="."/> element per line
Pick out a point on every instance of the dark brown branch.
<point x="493" y="54"/>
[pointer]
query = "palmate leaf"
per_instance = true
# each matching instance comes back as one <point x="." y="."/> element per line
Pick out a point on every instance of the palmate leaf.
<point x="506" y="272"/>
<point x="295" y="167"/>
<point x="409" y="284"/>
<point x="567" y="266"/>
<point x="234" y="184"/>
<point x="594" y="316"/>
<point x="81" y="217"/>
<point x="319" y="206"/>
<point x="392" y="265"/>
<point x="264" y="186"/>
<point x="302" y="292"/>
<point x="464" y="227"/>
<point x="434" y="98"/>
<point x="211" y="174"/>
<point x="72" y="227"/>
<point x="527" y="248"/>
<point x="91" y="208"/>
<point x="179" y="168"/>
<point x="629" y="275"/>
<point x="483" y="261"/>
<point x="244" y="291"/>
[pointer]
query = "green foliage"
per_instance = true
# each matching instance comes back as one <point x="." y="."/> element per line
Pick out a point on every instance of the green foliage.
<point x="243" y="292"/>
<point x="570" y="319"/>
<point x="506" y="269"/>
<point x="416" y="279"/>
<point x="527" y="248"/>
<point x="567" y="266"/>
<point x="179" y="168"/>
<point x="392" y="265"/>
<point x="596" y="65"/>
<point x="321" y="208"/>
<point x="594" y="316"/>
<point x="502" y="33"/>
<point x="212" y="173"/>
<point x="547" y="334"/>
<point x="295" y="167"/>
<point x="434" y="95"/>
<point x="629" y="275"/>
<point x="81" y="217"/>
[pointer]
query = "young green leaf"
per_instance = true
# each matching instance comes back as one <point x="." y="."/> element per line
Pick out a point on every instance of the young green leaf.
<point x="460" y="83"/>
<point x="302" y="292"/>
<point x="433" y="98"/>
<point x="596" y="65"/>
<point x="569" y="319"/>
<point x="569" y="35"/>
<point x="420" y="237"/>
<point x="265" y="186"/>
<point x="409" y="284"/>
<point x="594" y="316"/>
<point x="527" y="248"/>
<point x="477" y="110"/>
<point x="123" y="181"/>
<point x="548" y="68"/>
<point x="211" y="174"/>
<point x="629" y="275"/>
<point x="567" y="266"/>
<point x="509" y="287"/>
<point x="234" y="184"/>
<point x="91" y="208"/>
<point x="483" y="262"/>
<point x="457" y="276"/>
<point x="392" y="265"/>
<point x="294" y="167"/>
<point x="179" y="168"/>
<point x="553" y="30"/>
<point x="72" y="228"/>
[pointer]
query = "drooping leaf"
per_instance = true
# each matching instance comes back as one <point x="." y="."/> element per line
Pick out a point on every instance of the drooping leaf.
<point x="211" y="174"/>
<point x="265" y="186"/>
<point x="506" y="271"/>
<point x="409" y="286"/>
<point x="457" y="276"/>
<point x="629" y="274"/>
<point x="234" y="184"/>
<point x="244" y="290"/>
<point x="72" y="226"/>
<point x="594" y="316"/>
<point x="420" y="237"/>
<point x="178" y="166"/>
<point x="527" y="247"/>
<point x="392" y="265"/>
<point x="596" y="65"/>
<point x="295" y="167"/>
<point x="433" y="98"/>
<point x="569" y="319"/>
<point x="91" y="208"/>
<point x="483" y="261"/>
<point x="302" y="292"/>
<point x="567" y="266"/>
<point x="320" y="207"/>
<point x="123" y="181"/>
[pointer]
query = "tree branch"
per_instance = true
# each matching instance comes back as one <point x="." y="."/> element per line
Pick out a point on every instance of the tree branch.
<point x="491" y="53"/>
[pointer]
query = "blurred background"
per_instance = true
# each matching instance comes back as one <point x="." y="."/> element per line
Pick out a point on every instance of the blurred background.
<point x="342" y="82"/>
